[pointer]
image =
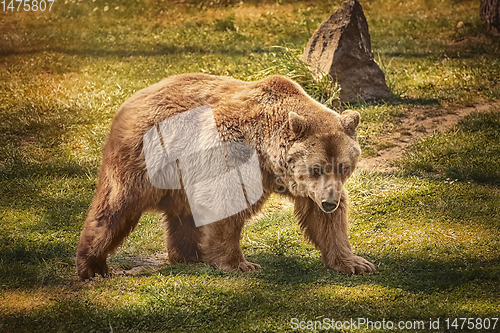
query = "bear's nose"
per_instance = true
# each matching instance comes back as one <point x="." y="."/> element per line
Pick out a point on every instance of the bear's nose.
<point x="328" y="206"/>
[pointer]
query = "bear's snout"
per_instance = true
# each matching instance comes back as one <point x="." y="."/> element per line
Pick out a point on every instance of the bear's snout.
<point x="329" y="206"/>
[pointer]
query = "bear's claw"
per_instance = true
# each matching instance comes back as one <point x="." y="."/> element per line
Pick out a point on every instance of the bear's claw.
<point x="87" y="270"/>
<point x="354" y="265"/>
<point x="242" y="266"/>
<point x="247" y="266"/>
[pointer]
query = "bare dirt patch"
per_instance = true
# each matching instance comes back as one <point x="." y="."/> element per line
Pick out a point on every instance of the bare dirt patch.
<point x="141" y="264"/>
<point x="416" y="123"/>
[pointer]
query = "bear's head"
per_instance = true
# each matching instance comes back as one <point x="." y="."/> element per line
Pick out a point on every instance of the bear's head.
<point x="324" y="152"/>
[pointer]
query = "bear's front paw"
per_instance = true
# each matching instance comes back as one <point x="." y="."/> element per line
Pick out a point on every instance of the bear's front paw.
<point x="246" y="266"/>
<point x="241" y="265"/>
<point x="353" y="265"/>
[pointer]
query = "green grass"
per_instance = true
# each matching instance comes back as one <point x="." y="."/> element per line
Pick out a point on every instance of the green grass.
<point x="470" y="152"/>
<point x="432" y="228"/>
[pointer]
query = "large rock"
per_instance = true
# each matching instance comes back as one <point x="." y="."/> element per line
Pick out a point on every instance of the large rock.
<point x="341" y="47"/>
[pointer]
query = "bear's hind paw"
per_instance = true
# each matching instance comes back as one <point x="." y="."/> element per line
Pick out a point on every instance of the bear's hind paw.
<point x="89" y="272"/>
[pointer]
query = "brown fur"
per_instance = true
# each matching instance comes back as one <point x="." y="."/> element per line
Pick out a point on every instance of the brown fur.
<point x="290" y="132"/>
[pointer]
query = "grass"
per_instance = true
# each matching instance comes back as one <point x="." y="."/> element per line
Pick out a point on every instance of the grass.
<point x="432" y="228"/>
<point x="470" y="152"/>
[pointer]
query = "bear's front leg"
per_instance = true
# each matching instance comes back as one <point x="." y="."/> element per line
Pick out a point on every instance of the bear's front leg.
<point x="329" y="233"/>
<point x="220" y="245"/>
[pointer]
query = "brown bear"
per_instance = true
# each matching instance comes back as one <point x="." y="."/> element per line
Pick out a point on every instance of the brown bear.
<point x="305" y="152"/>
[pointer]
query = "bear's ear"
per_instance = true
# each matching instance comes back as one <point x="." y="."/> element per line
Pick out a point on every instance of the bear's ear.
<point x="298" y="124"/>
<point x="350" y="120"/>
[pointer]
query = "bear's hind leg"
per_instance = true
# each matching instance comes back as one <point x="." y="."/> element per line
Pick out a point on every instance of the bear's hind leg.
<point x="182" y="238"/>
<point x="181" y="234"/>
<point x="329" y="233"/>
<point x="111" y="218"/>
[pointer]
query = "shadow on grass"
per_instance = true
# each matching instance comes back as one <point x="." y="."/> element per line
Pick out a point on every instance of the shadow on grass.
<point x="398" y="100"/>
<point x="395" y="100"/>
<point x="32" y="145"/>
<point x="50" y="265"/>
<point x="153" y="50"/>
<point x="48" y="203"/>
<point x="469" y="152"/>
<point x="440" y="201"/>
<point x="260" y="302"/>
<point x="465" y="53"/>
<point x="39" y="229"/>
<point x="26" y="265"/>
<point x="17" y="168"/>
<point x="410" y="274"/>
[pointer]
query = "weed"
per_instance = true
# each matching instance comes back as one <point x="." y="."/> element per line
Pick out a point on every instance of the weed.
<point x="320" y="86"/>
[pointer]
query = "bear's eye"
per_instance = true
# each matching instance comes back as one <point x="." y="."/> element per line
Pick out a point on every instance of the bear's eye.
<point x="345" y="168"/>
<point x="316" y="171"/>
